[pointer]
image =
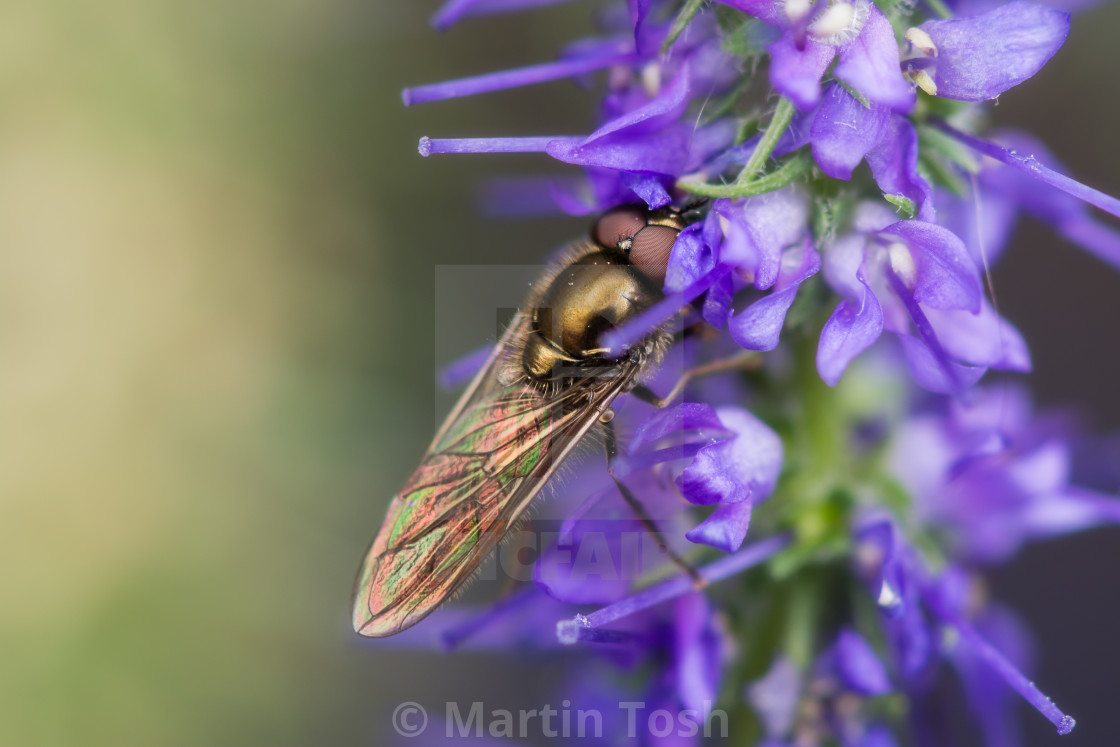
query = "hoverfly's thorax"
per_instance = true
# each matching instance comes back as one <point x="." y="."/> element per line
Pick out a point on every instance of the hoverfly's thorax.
<point x="587" y="298"/>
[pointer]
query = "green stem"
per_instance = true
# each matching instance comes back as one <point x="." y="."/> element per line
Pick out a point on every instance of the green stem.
<point x="821" y="416"/>
<point x="783" y="115"/>
<point x="688" y="12"/>
<point x="796" y="166"/>
<point x="801" y="625"/>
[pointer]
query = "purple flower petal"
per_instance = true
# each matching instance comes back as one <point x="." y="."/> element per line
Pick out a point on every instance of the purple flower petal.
<point x="649" y="138"/>
<point x="664" y="152"/>
<point x="894" y="163"/>
<point x="770" y="11"/>
<point x="980" y="57"/>
<point x="648" y="187"/>
<point x="639" y="9"/>
<point x="796" y="72"/>
<point x="851" y="329"/>
<point x="935" y="373"/>
<point x="937" y="265"/>
<point x="859" y="667"/>
<point x="690" y="259"/>
<point x="982" y="339"/>
<point x="759" y="325"/>
<point x="589" y="565"/>
<point x="744" y="467"/>
<point x="878" y="736"/>
<point x="870" y="63"/>
<point x="877" y="557"/>
<point x="686" y="417"/>
<point x="844" y="130"/>
<point x="759" y="229"/>
<point x="663" y="110"/>
<point x="725" y="528"/>
<point x="775" y="697"/>
<point x="717" y="302"/>
<point x="696" y="653"/>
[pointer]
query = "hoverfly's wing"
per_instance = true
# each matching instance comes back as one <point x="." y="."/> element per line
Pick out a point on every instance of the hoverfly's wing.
<point x="499" y="446"/>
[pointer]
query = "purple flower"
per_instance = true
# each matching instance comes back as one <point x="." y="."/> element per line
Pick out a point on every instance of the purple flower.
<point x="978" y="58"/>
<point x="734" y="465"/>
<point x="734" y="475"/>
<point x="856" y="34"/>
<point x="993" y="477"/>
<point x="917" y="280"/>
<point x="835" y="687"/>
<point x="931" y="603"/>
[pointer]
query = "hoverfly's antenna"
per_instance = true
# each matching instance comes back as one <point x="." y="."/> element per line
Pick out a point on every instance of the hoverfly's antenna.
<point x="618" y="225"/>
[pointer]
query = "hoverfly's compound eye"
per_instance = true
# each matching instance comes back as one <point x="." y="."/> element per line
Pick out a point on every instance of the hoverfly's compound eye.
<point x="617" y="225"/>
<point x="649" y="251"/>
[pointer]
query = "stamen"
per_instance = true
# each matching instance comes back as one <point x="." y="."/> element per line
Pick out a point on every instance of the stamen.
<point x="570" y="631"/>
<point x="453" y="637"/>
<point x="923" y="80"/>
<point x="463" y="368"/>
<point x="902" y="263"/>
<point x="649" y="459"/>
<point x="921" y="41"/>
<point x="456" y="10"/>
<point x="506" y="79"/>
<point x="1029" y="165"/>
<point x="621" y="338"/>
<point x="1098" y="239"/>
<point x="922" y="323"/>
<point x="1014" y="677"/>
<point x="429" y="145"/>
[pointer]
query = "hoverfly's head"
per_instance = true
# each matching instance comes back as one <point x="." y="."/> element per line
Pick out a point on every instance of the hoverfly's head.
<point x="644" y="237"/>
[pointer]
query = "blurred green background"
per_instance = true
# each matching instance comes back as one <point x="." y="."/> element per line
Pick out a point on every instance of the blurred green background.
<point x="217" y="259"/>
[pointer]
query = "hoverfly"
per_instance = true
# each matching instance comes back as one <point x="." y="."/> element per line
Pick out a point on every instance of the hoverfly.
<point x="542" y="389"/>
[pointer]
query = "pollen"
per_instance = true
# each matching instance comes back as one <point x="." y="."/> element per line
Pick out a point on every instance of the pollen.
<point x="840" y="22"/>
<point x="921" y="41"/>
<point x="902" y="263"/>
<point x="797" y="10"/>
<point x="924" y="81"/>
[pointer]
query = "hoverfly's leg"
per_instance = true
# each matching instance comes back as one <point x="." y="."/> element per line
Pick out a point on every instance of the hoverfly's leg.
<point x="700" y="329"/>
<point x="610" y="442"/>
<point x="745" y="361"/>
